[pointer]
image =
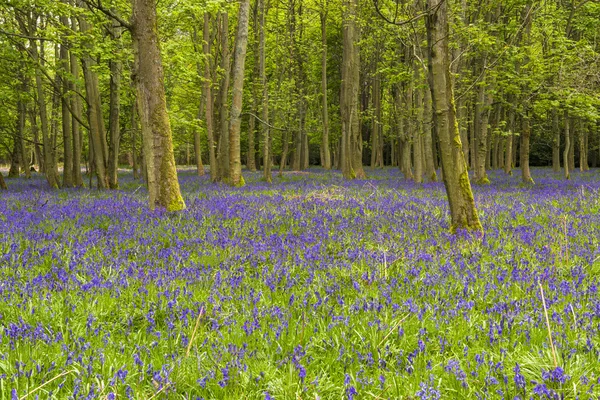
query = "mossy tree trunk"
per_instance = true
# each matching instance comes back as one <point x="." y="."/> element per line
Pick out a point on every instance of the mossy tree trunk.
<point x="326" y="161"/>
<point x="65" y="70"/>
<point x="163" y="186"/>
<point x="239" y="60"/>
<point x="114" y="128"/>
<point x="454" y="168"/>
<point x="264" y="127"/>
<point x="76" y="108"/>
<point x="223" y="102"/>
<point x="351" y="136"/>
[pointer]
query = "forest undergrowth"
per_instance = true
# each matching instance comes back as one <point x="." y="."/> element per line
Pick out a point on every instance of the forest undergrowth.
<point x="308" y="288"/>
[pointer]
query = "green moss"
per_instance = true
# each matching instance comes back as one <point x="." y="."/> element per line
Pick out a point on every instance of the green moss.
<point x="474" y="224"/>
<point x="241" y="182"/>
<point x="484" y="180"/>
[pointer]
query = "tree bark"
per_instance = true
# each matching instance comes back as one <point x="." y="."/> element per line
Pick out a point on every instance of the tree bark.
<point x="163" y="186"/>
<point x="524" y="149"/>
<point x="114" y="128"/>
<point x="482" y="113"/>
<point x="2" y="183"/>
<point x="454" y="168"/>
<point x="555" y="142"/>
<point x="508" y="155"/>
<point x="208" y="97"/>
<point x="68" y="179"/>
<point x="428" y="136"/>
<point x="49" y="163"/>
<point x="264" y="127"/>
<point x="418" y="133"/>
<point x="567" y="150"/>
<point x="239" y="59"/>
<point x="97" y="131"/>
<point x="326" y="162"/>
<point x="76" y="108"/>
<point x="583" y="134"/>
<point x="223" y="146"/>
<point x="351" y="154"/>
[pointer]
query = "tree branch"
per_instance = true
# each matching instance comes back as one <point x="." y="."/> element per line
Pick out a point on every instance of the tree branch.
<point x="109" y="13"/>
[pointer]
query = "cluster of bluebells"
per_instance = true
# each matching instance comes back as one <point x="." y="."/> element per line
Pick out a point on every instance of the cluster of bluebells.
<point x="311" y="287"/>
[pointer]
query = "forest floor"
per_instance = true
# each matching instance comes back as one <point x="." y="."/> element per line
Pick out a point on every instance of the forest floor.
<point x="309" y="288"/>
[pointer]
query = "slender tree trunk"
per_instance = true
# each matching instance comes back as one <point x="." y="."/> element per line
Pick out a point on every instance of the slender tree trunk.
<point x="75" y="126"/>
<point x="68" y="179"/>
<point x="38" y="152"/>
<point x="13" y="172"/>
<point x="555" y="142"/>
<point x="2" y="183"/>
<point x="266" y="137"/>
<point x="524" y="159"/>
<point x="197" y="140"/>
<point x="239" y="59"/>
<point x="326" y="162"/>
<point x="95" y="120"/>
<point x="567" y="146"/>
<point x="22" y="111"/>
<point x="351" y="136"/>
<point x="163" y="186"/>
<point x="208" y="97"/>
<point x="583" y="163"/>
<point x="482" y="113"/>
<point x="223" y="146"/>
<point x="134" y="135"/>
<point x="508" y="155"/>
<point x="572" y="145"/>
<point x="454" y="168"/>
<point x="428" y="136"/>
<point x="49" y="164"/>
<point x="418" y="133"/>
<point x="114" y="128"/>
<point x="284" y="153"/>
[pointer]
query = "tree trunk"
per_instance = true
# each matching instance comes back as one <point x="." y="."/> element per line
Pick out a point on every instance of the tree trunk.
<point x="418" y="133"/>
<point x="555" y="142"/>
<point x="524" y="159"/>
<point x="38" y="152"/>
<point x="223" y="146"/>
<point x="285" y="143"/>
<point x="197" y="140"/>
<point x="583" y="163"/>
<point x="351" y="136"/>
<point x="96" y="122"/>
<point x="567" y="150"/>
<point x="428" y="136"/>
<point x="265" y="94"/>
<point x="115" y="108"/>
<point x="508" y="155"/>
<point x="208" y="97"/>
<point x="68" y="179"/>
<point x="572" y="145"/>
<point x="482" y="114"/>
<point x="326" y="161"/>
<point x="454" y="168"/>
<point x="76" y="109"/>
<point x="163" y="186"/>
<point x="49" y="164"/>
<point x="134" y="131"/>
<point x="2" y="183"/>
<point x="239" y="59"/>
<point x="22" y="111"/>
